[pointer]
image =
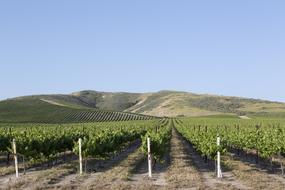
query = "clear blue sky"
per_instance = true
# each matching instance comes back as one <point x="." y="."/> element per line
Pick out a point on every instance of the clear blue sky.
<point x="224" y="47"/>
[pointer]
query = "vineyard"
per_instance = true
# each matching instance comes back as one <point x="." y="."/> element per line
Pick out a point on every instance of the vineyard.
<point x="263" y="137"/>
<point x="100" y="116"/>
<point x="38" y="111"/>
<point x="183" y="152"/>
<point x="43" y="142"/>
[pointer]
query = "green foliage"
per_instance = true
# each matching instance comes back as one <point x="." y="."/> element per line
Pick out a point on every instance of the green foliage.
<point x="265" y="136"/>
<point x="108" y="140"/>
<point x="44" y="141"/>
<point x="203" y="139"/>
<point x="160" y="139"/>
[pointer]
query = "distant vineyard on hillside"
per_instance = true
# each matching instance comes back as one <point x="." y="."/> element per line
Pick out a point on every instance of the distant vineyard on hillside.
<point x="32" y="110"/>
<point x="101" y="116"/>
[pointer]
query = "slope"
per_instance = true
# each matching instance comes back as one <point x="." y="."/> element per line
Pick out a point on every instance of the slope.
<point x="171" y="103"/>
<point x="160" y="104"/>
<point x="38" y="110"/>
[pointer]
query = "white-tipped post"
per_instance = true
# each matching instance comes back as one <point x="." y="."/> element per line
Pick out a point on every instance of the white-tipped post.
<point x="80" y="156"/>
<point x="15" y="158"/>
<point x="149" y="158"/>
<point x="219" y="171"/>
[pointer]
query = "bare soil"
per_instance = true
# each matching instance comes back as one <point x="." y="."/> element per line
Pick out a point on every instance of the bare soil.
<point x="253" y="175"/>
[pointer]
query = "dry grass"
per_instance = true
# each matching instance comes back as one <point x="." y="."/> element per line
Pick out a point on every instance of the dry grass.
<point x="182" y="173"/>
<point x="254" y="177"/>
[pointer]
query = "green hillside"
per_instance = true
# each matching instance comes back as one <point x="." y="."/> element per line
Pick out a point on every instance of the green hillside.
<point x="66" y="108"/>
<point x="119" y="101"/>
<point x="37" y="110"/>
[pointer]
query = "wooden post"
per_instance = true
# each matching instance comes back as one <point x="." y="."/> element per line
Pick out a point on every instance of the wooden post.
<point x="15" y="158"/>
<point x="219" y="171"/>
<point x="24" y="165"/>
<point x="149" y="158"/>
<point x="282" y="168"/>
<point x="80" y="156"/>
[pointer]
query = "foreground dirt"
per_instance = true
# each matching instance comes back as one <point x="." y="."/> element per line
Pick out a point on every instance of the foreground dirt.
<point x="254" y="176"/>
<point x="182" y="173"/>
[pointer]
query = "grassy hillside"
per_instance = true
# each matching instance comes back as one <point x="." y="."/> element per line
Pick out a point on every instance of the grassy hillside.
<point x="39" y="110"/>
<point x="169" y="103"/>
<point x="108" y="101"/>
<point x="163" y="103"/>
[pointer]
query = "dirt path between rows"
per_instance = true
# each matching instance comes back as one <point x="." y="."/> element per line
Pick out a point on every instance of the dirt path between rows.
<point x="253" y="176"/>
<point x="105" y="174"/>
<point x="139" y="175"/>
<point x="35" y="178"/>
<point x="191" y="172"/>
<point x="182" y="173"/>
<point x="65" y="176"/>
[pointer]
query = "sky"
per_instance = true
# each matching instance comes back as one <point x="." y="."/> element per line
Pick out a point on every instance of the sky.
<point x="221" y="47"/>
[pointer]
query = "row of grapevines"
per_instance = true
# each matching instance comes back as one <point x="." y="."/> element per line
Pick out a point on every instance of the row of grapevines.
<point x="44" y="141"/>
<point x="160" y="139"/>
<point x="204" y="141"/>
<point x="265" y="137"/>
<point x="108" y="140"/>
<point x="100" y="116"/>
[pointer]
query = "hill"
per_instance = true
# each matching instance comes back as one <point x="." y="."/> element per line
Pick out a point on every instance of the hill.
<point x="162" y="103"/>
<point x="171" y="103"/>
<point x="57" y="109"/>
